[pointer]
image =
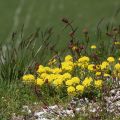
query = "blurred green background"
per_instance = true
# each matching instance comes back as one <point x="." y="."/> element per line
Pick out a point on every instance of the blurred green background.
<point x="47" y="13"/>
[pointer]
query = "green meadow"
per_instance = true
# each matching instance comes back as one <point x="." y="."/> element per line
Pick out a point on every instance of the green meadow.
<point x="48" y="13"/>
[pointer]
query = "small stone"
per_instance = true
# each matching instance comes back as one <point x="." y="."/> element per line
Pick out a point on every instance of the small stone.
<point x="53" y="107"/>
<point x="39" y="113"/>
<point x="78" y="110"/>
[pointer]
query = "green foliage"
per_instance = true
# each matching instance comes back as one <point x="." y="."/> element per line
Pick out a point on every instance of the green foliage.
<point x="22" y="53"/>
<point x="13" y="97"/>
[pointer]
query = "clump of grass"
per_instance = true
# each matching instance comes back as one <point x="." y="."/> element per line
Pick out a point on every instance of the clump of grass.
<point x="20" y="53"/>
<point x="17" y="57"/>
<point x="13" y="97"/>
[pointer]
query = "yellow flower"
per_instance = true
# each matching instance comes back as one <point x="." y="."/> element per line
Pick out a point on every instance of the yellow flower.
<point x="117" y="67"/>
<point x="57" y="82"/>
<point x="91" y="67"/>
<point x="41" y="69"/>
<point x="84" y="59"/>
<point x="97" y="67"/>
<point x="52" y="61"/>
<point x="67" y="66"/>
<point x="56" y="70"/>
<point x="110" y="59"/>
<point x="104" y="65"/>
<point x="56" y="76"/>
<point x="39" y="81"/>
<point x="74" y="48"/>
<point x="98" y="83"/>
<point x="118" y="75"/>
<point x="98" y="73"/>
<point x="93" y="47"/>
<point x="83" y="65"/>
<point x="69" y="82"/>
<point x="75" y="80"/>
<point x="43" y="75"/>
<point x="28" y="78"/>
<point x="47" y="69"/>
<point x="87" y="81"/>
<point x="68" y="58"/>
<point x="71" y="90"/>
<point x="117" y="43"/>
<point x="106" y="75"/>
<point x="50" y="77"/>
<point x="66" y="76"/>
<point x="80" y="88"/>
<point x="70" y="63"/>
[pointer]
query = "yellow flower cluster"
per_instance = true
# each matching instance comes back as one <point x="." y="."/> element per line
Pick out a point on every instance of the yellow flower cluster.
<point x="28" y="78"/>
<point x="98" y="83"/>
<point x="83" y="62"/>
<point x="117" y="67"/>
<point x="110" y="59"/>
<point x="93" y="47"/>
<point x="76" y="76"/>
<point x="117" y="43"/>
<point x="87" y="81"/>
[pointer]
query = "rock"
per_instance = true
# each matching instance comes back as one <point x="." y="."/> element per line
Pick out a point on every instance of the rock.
<point x="14" y="117"/>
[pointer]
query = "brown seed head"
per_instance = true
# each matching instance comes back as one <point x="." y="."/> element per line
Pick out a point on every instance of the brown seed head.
<point x="65" y="20"/>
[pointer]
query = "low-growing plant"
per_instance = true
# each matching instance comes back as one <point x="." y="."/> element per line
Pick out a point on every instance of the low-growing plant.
<point x="20" y="53"/>
<point x="84" y="69"/>
<point x="87" y="70"/>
